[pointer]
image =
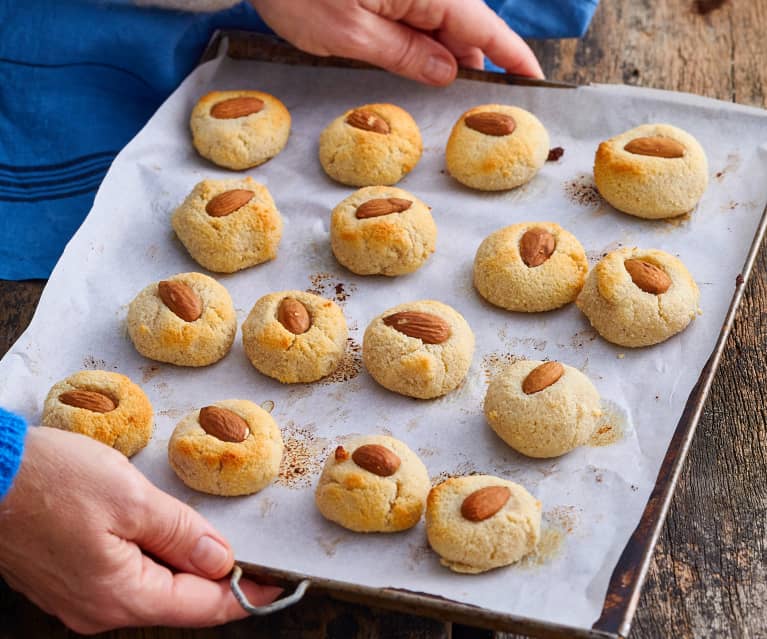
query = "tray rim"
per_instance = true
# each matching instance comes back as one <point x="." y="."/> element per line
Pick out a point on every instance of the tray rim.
<point x="630" y="572"/>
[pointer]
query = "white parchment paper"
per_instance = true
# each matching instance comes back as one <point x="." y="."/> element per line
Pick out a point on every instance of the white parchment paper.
<point x="592" y="498"/>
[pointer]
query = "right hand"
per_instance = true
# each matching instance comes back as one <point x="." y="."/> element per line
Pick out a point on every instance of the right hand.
<point x="79" y="531"/>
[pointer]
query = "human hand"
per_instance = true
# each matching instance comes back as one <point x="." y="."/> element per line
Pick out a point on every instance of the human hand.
<point x="76" y="531"/>
<point x="420" y="39"/>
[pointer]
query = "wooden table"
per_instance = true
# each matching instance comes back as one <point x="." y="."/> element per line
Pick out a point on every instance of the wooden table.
<point x="709" y="574"/>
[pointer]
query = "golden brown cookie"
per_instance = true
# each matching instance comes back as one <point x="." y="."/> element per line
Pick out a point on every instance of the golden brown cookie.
<point x="419" y="349"/>
<point x="481" y="522"/>
<point x="229" y="225"/>
<point x="294" y="336"/>
<point x="653" y="171"/>
<point x="382" y="230"/>
<point x="239" y="129"/>
<point x="373" y="484"/>
<point x="374" y="144"/>
<point x="232" y="447"/>
<point x="105" y="406"/>
<point x="530" y="267"/>
<point x="187" y="319"/>
<point x="639" y="297"/>
<point x="542" y="409"/>
<point x="494" y="147"/>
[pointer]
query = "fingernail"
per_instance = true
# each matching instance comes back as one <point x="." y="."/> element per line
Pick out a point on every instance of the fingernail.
<point x="209" y="556"/>
<point x="438" y="70"/>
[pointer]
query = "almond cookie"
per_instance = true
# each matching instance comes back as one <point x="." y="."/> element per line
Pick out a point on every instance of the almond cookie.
<point x="105" y="406"/>
<point x="229" y="225"/>
<point x="419" y="349"/>
<point x="382" y="230"/>
<point x="233" y="447"/>
<point x="653" y="171"/>
<point x="375" y="144"/>
<point x="481" y="522"/>
<point x="495" y="147"/>
<point x="295" y="336"/>
<point x="187" y="320"/>
<point x="239" y="129"/>
<point x="637" y="297"/>
<point x="542" y="409"/>
<point x="530" y="267"/>
<point x="373" y="484"/>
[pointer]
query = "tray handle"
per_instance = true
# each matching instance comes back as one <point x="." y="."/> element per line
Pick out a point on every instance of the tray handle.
<point x="260" y="611"/>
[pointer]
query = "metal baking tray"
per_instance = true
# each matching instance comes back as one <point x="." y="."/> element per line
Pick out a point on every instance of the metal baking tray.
<point x="629" y="574"/>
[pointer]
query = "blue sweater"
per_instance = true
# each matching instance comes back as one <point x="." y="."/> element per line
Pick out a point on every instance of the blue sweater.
<point x="12" y="431"/>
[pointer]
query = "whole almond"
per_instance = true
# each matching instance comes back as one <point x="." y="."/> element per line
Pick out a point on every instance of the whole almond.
<point x="536" y="246"/>
<point x="377" y="459"/>
<point x="648" y="277"/>
<point x="223" y="424"/>
<point x="429" y="328"/>
<point x="491" y="123"/>
<point x="236" y="108"/>
<point x="367" y="121"/>
<point x="228" y="202"/>
<point x="341" y="454"/>
<point x="382" y="206"/>
<point x="293" y="315"/>
<point x="485" y="502"/>
<point x="89" y="400"/>
<point x="542" y="377"/>
<point x="655" y="146"/>
<point x="180" y="299"/>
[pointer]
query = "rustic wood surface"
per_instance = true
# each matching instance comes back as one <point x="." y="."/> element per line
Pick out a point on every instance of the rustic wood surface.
<point x="709" y="574"/>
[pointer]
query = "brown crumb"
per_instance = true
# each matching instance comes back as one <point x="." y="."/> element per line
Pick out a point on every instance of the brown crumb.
<point x="555" y="154"/>
<point x="329" y="286"/>
<point x="739" y="279"/>
<point x="704" y="7"/>
<point x="494" y="363"/>
<point x="303" y="457"/>
<point x="583" y="191"/>
<point x="350" y="366"/>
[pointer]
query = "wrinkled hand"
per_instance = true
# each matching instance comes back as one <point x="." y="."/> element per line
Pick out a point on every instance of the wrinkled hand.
<point x="74" y="530"/>
<point x="420" y="39"/>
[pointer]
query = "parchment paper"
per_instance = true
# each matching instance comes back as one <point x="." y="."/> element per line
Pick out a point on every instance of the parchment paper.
<point x="592" y="498"/>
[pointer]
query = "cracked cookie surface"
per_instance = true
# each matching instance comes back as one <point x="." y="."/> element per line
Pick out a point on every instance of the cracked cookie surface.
<point x="289" y="357"/>
<point x="411" y="366"/>
<point x="363" y="501"/>
<point x="208" y="464"/>
<point x="625" y="314"/>
<point x="392" y="244"/>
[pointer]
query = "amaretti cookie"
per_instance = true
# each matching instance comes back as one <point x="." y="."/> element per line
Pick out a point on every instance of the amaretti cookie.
<point x="542" y="409"/>
<point x="494" y="147"/>
<point x="375" y="144"/>
<point x="419" y="349"/>
<point x="106" y="406"/>
<point x="373" y="484"/>
<point x="481" y="522"/>
<point x="653" y="171"/>
<point x="530" y="267"/>
<point x="637" y="297"/>
<point x="295" y="336"/>
<point x="239" y="129"/>
<point x="232" y="447"/>
<point x="229" y="225"/>
<point x="187" y="320"/>
<point x="382" y="230"/>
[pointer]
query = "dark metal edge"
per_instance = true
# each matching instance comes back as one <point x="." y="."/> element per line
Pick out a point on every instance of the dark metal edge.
<point x="631" y="570"/>
<point x="634" y="563"/>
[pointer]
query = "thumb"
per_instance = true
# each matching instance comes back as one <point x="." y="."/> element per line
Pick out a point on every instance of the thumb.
<point x="401" y="50"/>
<point x="178" y="535"/>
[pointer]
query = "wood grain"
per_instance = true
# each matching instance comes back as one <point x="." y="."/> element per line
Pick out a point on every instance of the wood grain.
<point x="709" y="572"/>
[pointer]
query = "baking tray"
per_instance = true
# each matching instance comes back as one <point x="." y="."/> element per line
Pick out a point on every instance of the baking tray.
<point x="631" y="570"/>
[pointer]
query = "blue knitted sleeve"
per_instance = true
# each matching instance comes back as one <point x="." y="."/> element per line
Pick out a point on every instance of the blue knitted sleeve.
<point x="12" y="431"/>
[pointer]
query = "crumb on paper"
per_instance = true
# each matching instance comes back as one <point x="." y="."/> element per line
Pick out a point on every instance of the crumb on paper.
<point x="621" y="355"/>
<point x="582" y="337"/>
<point x="466" y="467"/>
<point x="268" y="405"/>
<point x="331" y="287"/>
<point x="92" y="363"/>
<point x="350" y="366"/>
<point x="611" y="427"/>
<point x="555" y="154"/>
<point x="494" y="363"/>
<point x="583" y="191"/>
<point x="303" y="456"/>
<point x="148" y="372"/>
<point x="549" y="547"/>
<point x="330" y="545"/>
<point x="417" y="554"/>
<point x="174" y="413"/>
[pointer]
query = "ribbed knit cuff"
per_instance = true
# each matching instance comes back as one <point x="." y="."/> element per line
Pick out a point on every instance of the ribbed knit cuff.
<point x="12" y="431"/>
